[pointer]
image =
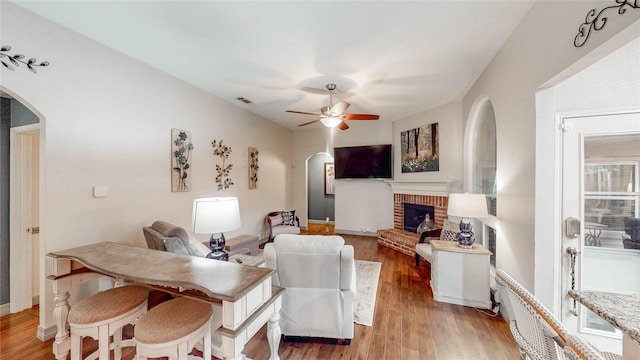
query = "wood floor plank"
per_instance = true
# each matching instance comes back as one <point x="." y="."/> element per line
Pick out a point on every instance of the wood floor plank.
<point x="408" y="323"/>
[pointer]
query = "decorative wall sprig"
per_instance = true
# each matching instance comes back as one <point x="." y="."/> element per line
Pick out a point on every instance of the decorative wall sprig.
<point x="253" y="168"/>
<point x="223" y="179"/>
<point x="596" y="21"/>
<point x="17" y="59"/>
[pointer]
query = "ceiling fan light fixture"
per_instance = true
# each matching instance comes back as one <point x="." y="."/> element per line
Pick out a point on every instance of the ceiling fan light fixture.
<point x="331" y="122"/>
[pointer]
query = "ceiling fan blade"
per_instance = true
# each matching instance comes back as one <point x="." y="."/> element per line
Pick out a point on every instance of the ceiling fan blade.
<point x="360" y="117"/>
<point x="302" y="112"/>
<point x="310" y="122"/>
<point x="340" y="107"/>
<point x="343" y="126"/>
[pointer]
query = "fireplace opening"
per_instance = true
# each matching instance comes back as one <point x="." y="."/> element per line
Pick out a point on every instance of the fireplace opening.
<point x="414" y="214"/>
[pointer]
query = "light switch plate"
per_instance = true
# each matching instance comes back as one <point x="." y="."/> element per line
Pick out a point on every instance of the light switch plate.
<point x="100" y="191"/>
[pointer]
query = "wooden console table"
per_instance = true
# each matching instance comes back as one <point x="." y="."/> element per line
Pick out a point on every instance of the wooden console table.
<point x="243" y="293"/>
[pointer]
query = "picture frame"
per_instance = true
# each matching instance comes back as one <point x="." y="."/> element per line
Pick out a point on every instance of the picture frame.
<point x="419" y="149"/>
<point x="329" y="178"/>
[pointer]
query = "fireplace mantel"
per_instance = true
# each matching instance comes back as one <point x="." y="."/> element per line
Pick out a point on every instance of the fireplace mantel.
<point x="422" y="187"/>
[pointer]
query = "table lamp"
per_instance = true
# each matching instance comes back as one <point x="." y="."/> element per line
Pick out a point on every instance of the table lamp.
<point x="467" y="206"/>
<point x="214" y="216"/>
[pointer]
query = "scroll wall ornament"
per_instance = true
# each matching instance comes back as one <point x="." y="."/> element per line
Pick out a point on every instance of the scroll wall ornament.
<point x="223" y="179"/>
<point x="253" y="168"/>
<point x="17" y="59"/>
<point x="595" y="21"/>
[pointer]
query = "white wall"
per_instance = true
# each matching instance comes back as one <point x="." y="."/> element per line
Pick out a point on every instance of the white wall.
<point x="449" y="119"/>
<point x="364" y="206"/>
<point x="107" y="120"/>
<point x="354" y="198"/>
<point x="610" y="84"/>
<point x="540" y="48"/>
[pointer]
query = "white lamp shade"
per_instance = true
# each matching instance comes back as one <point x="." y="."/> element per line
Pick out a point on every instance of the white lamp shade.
<point x="215" y="215"/>
<point x="331" y="121"/>
<point x="468" y="205"/>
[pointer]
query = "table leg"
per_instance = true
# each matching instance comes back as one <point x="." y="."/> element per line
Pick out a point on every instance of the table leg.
<point x="62" y="343"/>
<point x="274" y="332"/>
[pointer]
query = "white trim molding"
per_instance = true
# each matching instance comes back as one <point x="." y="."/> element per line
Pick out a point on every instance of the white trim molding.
<point x="4" y="309"/>
<point x="422" y="187"/>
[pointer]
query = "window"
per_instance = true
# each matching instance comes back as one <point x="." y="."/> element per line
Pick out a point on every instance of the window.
<point x="610" y="195"/>
<point x="481" y="166"/>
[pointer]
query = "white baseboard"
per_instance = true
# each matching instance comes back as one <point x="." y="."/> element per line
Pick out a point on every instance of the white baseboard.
<point x="45" y="334"/>
<point x="311" y="221"/>
<point x="353" y="232"/>
<point x="4" y="309"/>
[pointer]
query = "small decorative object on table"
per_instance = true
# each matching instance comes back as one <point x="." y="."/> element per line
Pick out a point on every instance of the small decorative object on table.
<point x="467" y="206"/>
<point x="216" y="215"/>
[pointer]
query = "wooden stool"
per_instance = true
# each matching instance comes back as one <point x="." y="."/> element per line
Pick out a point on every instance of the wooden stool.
<point x="103" y="315"/>
<point x="173" y="329"/>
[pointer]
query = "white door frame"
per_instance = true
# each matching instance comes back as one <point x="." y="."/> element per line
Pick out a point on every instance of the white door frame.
<point x="20" y="210"/>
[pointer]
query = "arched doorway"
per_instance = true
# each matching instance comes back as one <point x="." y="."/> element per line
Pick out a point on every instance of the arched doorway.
<point x="21" y="199"/>
<point x="320" y="195"/>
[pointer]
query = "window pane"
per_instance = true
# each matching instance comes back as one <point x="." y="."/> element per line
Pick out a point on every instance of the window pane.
<point x="484" y="159"/>
<point x="611" y="195"/>
<point x="490" y="237"/>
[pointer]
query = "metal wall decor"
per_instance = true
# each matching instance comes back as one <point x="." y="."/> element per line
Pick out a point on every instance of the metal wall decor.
<point x="17" y="59"/>
<point x="223" y="179"/>
<point x="596" y="20"/>
<point x="253" y="168"/>
<point x="181" y="147"/>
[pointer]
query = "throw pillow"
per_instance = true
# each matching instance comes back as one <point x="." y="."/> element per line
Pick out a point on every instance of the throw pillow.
<point x="289" y="218"/>
<point x="276" y="220"/>
<point x="198" y="247"/>
<point x="450" y="231"/>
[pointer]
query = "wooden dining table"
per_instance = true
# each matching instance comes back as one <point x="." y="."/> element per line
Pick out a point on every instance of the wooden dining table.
<point x="620" y="310"/>
<point x="243" y="296"/>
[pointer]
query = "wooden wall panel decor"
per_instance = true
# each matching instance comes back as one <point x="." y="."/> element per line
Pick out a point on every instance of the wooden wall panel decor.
<point x="253" y="167"/>
<point x="181" y="147"/>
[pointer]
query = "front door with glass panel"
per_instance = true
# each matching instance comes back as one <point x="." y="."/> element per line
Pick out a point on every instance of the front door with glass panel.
<point x="601" y="168"/>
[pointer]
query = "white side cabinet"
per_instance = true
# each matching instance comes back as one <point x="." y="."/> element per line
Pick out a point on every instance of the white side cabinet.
<point x="460" y="276"/>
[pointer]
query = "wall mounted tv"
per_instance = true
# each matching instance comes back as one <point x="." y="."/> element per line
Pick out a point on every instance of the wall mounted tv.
<point x="363" y="162"/>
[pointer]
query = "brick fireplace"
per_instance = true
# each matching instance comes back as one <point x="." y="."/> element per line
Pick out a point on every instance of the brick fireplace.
<point x="439" y="204"/>
<point x="400" y="239"/>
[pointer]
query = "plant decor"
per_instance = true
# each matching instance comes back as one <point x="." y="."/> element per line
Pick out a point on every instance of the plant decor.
<point x="253" y="168"/>
<point x="17" y="59"/>
<point x="180" y="168"/>
<point x="223" y="151"/>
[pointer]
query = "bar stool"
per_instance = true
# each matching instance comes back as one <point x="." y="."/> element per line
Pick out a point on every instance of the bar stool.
<point x="173" y="329"/>
<point x="104" y="314"/>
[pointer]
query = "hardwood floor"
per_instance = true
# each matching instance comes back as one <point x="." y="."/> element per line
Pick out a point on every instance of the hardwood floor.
<point x="408" y="323"/>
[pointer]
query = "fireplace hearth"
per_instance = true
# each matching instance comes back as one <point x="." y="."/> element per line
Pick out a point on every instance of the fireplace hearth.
<point x="403" y="240"/>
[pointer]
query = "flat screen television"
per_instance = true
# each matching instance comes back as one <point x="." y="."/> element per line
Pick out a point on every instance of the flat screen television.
<point x="363" y="162"/>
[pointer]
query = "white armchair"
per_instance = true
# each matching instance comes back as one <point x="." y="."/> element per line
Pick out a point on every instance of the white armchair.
<point x="319" y="275"/>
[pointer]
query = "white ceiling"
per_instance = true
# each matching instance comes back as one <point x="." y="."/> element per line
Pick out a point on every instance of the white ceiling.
<point x="387" y="57"/>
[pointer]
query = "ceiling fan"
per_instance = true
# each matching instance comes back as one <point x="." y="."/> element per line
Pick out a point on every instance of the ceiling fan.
<point x="334" y="114"/>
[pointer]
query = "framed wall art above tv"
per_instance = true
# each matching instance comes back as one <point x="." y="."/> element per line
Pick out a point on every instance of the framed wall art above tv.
<point x="420" y="149"/>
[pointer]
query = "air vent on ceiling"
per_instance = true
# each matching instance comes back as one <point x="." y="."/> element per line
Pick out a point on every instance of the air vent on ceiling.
<point x="246" y="101"/>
